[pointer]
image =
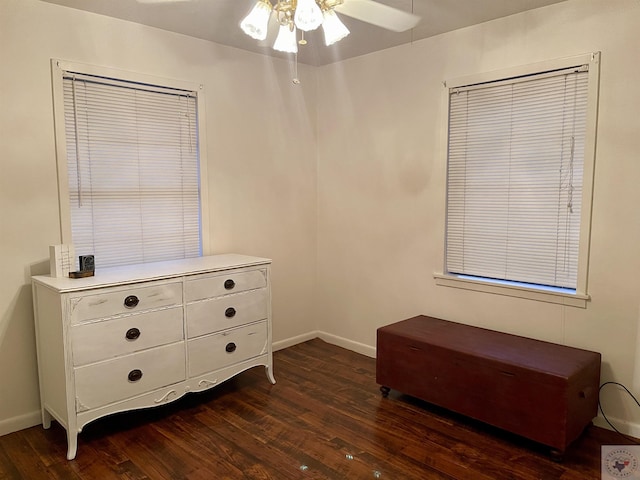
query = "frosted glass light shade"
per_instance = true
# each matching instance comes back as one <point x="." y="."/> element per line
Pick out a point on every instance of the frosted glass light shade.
<point x="308" y="15"/>
<point x="255" y="24"/>
<point x="286" y="40"/>
<point x="333" y="27"/>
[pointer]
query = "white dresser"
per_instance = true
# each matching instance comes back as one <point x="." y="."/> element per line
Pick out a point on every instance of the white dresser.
<point x="144" y="335"/>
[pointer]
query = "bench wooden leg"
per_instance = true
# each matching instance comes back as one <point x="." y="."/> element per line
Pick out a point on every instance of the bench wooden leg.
<point x="556" y="455"/>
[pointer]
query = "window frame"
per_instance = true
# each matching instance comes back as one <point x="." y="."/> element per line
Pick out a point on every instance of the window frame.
<point x="58" y="67"/>
<point x="517" y="289"/>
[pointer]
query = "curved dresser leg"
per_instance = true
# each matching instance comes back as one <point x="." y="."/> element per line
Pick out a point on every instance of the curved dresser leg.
<point x="46" y="419"/>
<point x="72" y="442"/>
<point x="269" y="371"/>
<point x="385" y="391"/>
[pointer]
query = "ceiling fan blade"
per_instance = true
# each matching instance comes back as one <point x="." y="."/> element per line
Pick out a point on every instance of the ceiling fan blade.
<point x="379" y="14"/>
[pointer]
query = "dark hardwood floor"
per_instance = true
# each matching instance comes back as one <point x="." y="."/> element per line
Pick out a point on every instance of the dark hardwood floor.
<point x="324" y="419"/>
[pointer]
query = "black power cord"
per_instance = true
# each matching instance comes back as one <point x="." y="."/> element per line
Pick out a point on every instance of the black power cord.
<point x="631" y="439"/>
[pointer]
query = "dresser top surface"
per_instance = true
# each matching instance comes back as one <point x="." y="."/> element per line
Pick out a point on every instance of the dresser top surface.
<point x="151" y="271"/>
<point x="510" y="349"/>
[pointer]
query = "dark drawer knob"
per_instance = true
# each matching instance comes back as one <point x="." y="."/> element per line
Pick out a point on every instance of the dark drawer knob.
<point x="231" y="347"/>
<point x="229" y="284"/>
<point x="131" y="301"/>
<point x="135" y="375"/>
<point x="230" y="312"/>
<point x="132" y="334"/>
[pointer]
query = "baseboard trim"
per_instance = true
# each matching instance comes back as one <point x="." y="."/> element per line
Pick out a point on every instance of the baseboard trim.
<point x="357" y="347"/>
<point x="290" y="342"/>
<point x="623" y="426"/>
<point x="20" y="422"/>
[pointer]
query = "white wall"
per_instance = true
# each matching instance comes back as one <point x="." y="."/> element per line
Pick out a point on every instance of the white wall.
<point x="261" y="139"/>
<point x="382" y="178"/>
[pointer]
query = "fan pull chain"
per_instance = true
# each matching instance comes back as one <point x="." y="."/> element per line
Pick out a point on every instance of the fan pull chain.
<point x="296" y="80"/>
<point x="412" y="11"/>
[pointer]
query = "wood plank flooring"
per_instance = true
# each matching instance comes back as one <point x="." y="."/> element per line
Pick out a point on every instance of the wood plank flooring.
<point x="324" y="419"/>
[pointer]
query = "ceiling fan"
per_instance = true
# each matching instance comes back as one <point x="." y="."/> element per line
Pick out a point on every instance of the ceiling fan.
<point x="368" y="11"/>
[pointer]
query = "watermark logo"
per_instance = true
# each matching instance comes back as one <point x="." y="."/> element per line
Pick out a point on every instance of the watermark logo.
<point x="620" y="461"/>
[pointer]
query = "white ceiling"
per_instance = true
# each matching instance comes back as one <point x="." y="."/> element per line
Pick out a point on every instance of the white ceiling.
<point x="218" y="21"/>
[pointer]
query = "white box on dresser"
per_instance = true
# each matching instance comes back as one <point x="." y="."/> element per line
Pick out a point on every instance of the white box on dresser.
<point x="144" y="335"/>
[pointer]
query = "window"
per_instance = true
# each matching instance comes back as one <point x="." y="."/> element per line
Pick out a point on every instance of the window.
<point x="520" y="154"/>
<point x="129" y="167"/>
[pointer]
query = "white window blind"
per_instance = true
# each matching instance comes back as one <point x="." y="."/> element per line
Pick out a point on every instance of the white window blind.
<point x="515" y="169"/>
<point x="133" y="170"/>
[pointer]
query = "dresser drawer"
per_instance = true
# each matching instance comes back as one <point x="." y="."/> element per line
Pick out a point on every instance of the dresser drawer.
<point x="124" y="377"/>
<point x="92" y="342"/>
<point x="221" y="313"/>
<point x="108" y="303"/>
<point x="209" y="286"/>
<point x="213" y="352"/>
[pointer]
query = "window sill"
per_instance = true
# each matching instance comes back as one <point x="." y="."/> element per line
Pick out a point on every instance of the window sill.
<point x="569" y="299"/>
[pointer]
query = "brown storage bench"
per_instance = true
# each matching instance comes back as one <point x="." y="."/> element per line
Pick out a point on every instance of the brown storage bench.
<point x="542" y="391"/>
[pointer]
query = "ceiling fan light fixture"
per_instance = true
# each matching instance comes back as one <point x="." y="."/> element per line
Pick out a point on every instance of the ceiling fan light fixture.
<point x="334" y="29"/>
<point x="286" y="40"/>
<point x="308" y="15"/>
<point x="255" y="23"/>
